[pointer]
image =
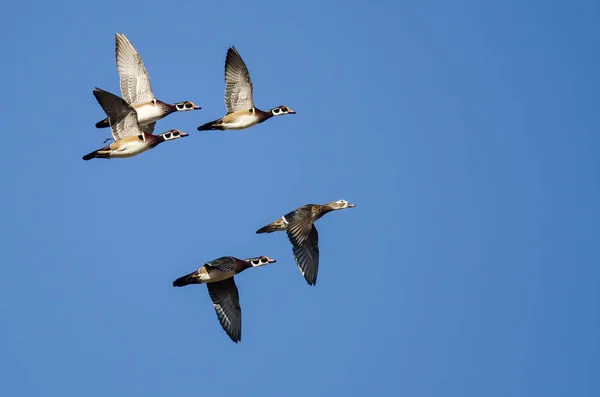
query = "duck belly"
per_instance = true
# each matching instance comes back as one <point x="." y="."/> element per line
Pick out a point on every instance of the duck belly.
<point x="240" y="122"/>
<point x="128" y="149"/>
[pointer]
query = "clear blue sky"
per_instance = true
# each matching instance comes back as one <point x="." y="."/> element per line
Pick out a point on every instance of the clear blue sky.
<point x="467" y="135"/>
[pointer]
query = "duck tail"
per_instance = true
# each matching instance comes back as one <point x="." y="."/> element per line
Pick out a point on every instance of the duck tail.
<point x="265" y="229"/>
<point x="206" y="127"/>
<point x="96" y="154"/>
<point x="211" y="125"/>
<point x="103" y="123"/>
<point x="270" y="228"/>
<point x="187" y="280"/>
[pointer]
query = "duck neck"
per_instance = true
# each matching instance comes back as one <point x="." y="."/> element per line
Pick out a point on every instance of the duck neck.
<point x="262" y="114"/>
<point x="167" y="108"/>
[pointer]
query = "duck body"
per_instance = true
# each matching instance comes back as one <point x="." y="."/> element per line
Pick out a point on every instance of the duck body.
<point x="130" y="139"/>
<point x="214" y="271"/>
<point x="239" y="120"/>
<point x="302" y="234"/>
<point x="218" y="277"/>
<point x="127" y="147"/>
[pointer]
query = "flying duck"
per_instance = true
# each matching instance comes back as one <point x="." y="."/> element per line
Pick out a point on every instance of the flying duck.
<point x="137" y="91"/>
<point x="301" y="231"/>
<point x="218" y="277"/>
<point x="241" y="112"/>
<point x="129" y="138"/>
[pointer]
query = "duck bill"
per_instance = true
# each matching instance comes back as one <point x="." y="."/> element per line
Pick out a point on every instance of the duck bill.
<point x="351" y="205"/>
<point x="196" y="107"/>
<point x="290" y="111"/>
<point x="184" y="134"/>
<point x="271" y="260"/>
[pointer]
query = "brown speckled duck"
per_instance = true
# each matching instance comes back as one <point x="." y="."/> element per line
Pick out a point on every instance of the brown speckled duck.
<point x="301" y="231"/>
<point x="241" y="112"/>
<point x="129" y="138"/>
<point x="218" y="277"/>
<point x="137" y="91"/>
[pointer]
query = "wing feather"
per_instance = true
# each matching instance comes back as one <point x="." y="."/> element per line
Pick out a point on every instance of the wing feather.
<point x="226" y="300"/>
<point x="121" y="117"/>
<point x="238" y="85"/>
<point x="305" y="242"/>
<point x="135" y="81"/>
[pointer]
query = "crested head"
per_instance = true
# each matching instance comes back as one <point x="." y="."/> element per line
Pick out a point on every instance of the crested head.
<point x="281" y="110"/>
<point x="260" y="261"/>
<point x="340" y="205"/>
<point x="185" y="106"/>
<point x="172" y="134"/>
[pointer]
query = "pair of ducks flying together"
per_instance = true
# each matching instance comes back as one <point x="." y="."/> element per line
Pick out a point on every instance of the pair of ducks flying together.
<point x="133" y="117"/>
<point x="218" y="274"/>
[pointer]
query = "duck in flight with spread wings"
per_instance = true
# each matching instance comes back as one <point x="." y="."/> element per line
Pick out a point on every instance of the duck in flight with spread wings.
<point x="137" y="91"/>
<point x="299" y="225"/>
<point x="241" y="112"/>
<point x="129" y="138"/>
<point x="218" y="277"/>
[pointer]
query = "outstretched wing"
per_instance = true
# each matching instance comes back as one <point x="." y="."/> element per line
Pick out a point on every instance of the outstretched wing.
<point x="226" y="300"/>
<point x="135" y="82"/>
<point x="238" y="86"/>
<point x="122" y="117"/>
<point x="305" y="241"/>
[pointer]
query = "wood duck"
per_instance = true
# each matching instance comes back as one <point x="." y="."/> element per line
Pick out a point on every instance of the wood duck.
<point x="137" y="91"/>
<point x="218" y="277"/>
<point x="129" y="138"/>
<point x="241" y="112"/>
<point x="301" y="231"/>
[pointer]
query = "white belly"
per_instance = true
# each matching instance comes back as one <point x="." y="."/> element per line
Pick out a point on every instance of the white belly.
<point x="129" y="149"/>
<point x="148" y="113"/>
<point x="242" y="122"/>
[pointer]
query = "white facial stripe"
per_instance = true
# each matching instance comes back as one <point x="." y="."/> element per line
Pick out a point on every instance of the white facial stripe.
<point x="285" y="222"/>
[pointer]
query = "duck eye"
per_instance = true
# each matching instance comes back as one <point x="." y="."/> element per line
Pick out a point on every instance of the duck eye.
<point x="284" y="109"/>
<point x="188" y="105"/>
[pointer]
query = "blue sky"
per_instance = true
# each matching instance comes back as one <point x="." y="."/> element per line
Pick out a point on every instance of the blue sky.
<point x="465" y="133"/>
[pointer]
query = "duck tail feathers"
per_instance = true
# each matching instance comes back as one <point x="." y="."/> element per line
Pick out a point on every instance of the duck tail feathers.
<point x="103" y="123"/>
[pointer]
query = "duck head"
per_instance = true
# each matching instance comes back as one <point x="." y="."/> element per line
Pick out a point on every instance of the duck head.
<point x="340" y="205"/>
<point x="281" y="110"/>
<point x="260" y="261"/>
<point x="173" y="134"/>
<point x="185" y="106"/>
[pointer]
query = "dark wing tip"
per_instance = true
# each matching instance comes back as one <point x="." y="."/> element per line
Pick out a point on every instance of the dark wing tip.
<point x="235" y="337"/>
<point x="312" y="281"/>
<point x="234" y="58"/>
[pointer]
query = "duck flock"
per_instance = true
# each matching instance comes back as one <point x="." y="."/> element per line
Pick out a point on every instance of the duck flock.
<point x="132" y="119"/>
